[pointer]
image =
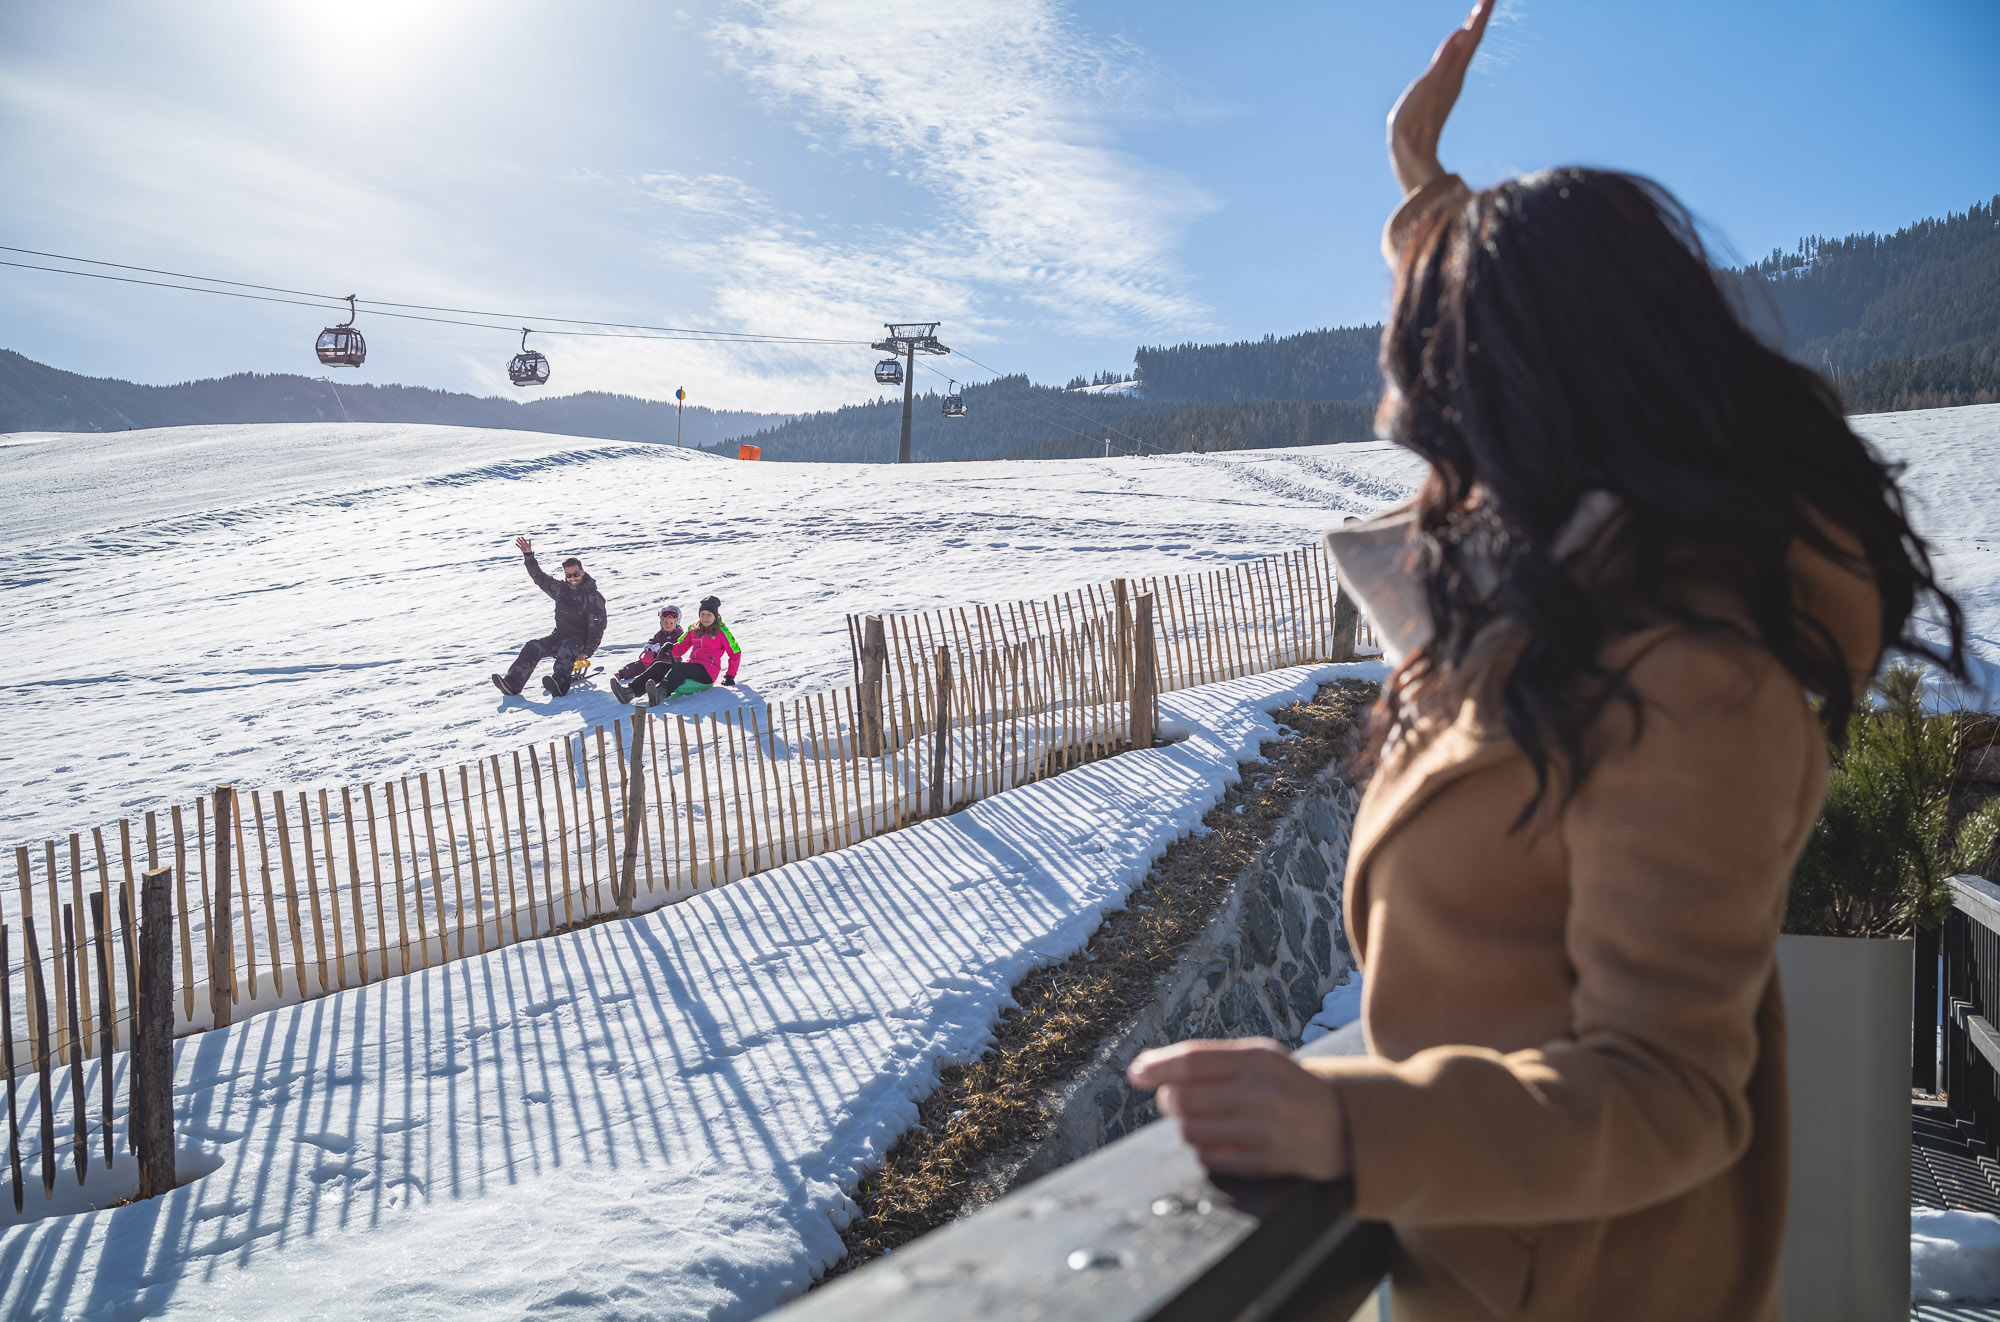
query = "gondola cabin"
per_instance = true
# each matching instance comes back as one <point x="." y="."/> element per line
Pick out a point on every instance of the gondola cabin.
<point x="954" y="405"/>
<point x="342" y="345"/>
<point x="889" y="372"/>
<point x="528" y="367"/>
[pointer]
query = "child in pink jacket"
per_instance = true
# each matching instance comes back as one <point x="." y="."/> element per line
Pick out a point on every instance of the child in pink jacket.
<point x="655" y="650"/>
<point x="704" y="646"/>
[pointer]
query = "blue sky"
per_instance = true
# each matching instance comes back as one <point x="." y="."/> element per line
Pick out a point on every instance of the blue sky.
<point x="1056" y="182"/>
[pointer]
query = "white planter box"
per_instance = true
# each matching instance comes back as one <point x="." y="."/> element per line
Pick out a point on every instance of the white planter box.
<point x="1847" y="1237"/>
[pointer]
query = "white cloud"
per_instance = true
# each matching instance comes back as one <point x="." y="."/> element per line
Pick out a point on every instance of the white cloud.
<point x="980" y="139"/>
<point x="1003" y="111"/>
<point x="1500" y="46"/>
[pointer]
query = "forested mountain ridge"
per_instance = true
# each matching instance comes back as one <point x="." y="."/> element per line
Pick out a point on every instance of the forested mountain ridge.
<point x="1313" y="365"/>
<point x="35" y="397"/>
<point x="1001" y="415"/>
<point x="1211" y="428"/>
<point x="1899" y="321"/>
<point x="1904" y="320"/>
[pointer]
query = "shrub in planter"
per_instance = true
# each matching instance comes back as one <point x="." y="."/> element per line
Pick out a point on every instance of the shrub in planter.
<point x="1877" y="865"/>
<point x="1881" y="856"/>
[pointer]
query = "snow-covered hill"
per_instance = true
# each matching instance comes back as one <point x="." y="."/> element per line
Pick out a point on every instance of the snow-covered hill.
<point x="309" y="605"/>
<point x="668" y="1110"/>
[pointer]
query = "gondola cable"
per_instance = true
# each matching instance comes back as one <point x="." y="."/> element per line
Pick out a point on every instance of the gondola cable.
<point x="1050" y="422"/>
<point x="633" y="330"/>
<point x="1078" y="412"/>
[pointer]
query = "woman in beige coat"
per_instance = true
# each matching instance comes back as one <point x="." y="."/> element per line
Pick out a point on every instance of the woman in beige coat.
<point x="1644" y="542"/>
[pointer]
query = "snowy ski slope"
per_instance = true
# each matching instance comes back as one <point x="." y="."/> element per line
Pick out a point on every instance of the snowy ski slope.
<point x="659" y="1117"/>
<point x="316" y="605"/>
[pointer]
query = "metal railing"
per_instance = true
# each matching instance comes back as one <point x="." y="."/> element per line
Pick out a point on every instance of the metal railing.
<point x="1135" y="1232"/>
<point x="1965" y="954"/>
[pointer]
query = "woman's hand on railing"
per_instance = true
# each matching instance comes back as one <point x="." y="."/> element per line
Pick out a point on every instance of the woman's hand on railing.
<point x="1247" y="1108"/>
<point x="1417" y="120"/>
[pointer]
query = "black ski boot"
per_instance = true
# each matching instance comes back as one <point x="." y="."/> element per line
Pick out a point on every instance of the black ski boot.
<point x="549" y="686"/>
<point x="500" y="682"/>
<point x="619" y="691"/>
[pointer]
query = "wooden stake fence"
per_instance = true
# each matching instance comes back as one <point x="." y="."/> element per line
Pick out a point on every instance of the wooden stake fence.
<point x="379" y="880"/>
<point x="41" y="1030"/>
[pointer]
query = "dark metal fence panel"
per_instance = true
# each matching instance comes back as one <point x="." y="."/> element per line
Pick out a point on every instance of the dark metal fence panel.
<point x="1970" y="945"/>
<point x="1925" y="990"/>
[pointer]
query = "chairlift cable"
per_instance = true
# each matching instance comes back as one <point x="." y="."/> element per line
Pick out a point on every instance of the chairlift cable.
<point x="1059" y="404"/>
<point x="633" y="330"/>
<point x="1049" y="422"/>
<point x="1095" y="424"/>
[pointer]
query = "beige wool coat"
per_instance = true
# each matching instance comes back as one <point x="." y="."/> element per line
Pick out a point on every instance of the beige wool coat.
<point x="1574" y="1105"/>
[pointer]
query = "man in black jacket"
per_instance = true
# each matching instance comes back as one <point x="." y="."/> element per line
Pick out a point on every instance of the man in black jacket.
<point x="579" y="625"/>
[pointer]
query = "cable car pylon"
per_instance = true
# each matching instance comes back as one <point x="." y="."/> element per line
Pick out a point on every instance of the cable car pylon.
<point x="908" y="339"/>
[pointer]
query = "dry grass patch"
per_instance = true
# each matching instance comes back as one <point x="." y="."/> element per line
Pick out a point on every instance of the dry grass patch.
<point x="1064" y="1011"/>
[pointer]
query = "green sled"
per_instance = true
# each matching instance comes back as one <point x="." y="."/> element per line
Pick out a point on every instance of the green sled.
<point x="691" y="686"/>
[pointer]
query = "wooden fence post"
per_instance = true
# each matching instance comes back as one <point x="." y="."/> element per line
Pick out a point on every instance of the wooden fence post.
<point x="635" y="816"/>
<point x="1121" y="598"/>
<point x="1145" y="677"/>
<point x="107" y="1012"/>
<point x="1346" y="618"/>
<point x="940" y="761"/>
<point x="874" y="655"/>
<point x="152" y="1069"/>
<point x="81" y="1127"/>
<point x="38" y="1010"/>
<point x="7" y="1063"/>
<point x="221" y="951"/>
<point x="34" y="997"/>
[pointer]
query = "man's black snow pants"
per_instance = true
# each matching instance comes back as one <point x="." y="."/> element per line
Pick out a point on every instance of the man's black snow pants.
<point x="564" y="650"/>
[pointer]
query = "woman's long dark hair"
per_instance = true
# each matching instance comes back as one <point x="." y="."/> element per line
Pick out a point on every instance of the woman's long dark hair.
<point x="1564" y="333"/>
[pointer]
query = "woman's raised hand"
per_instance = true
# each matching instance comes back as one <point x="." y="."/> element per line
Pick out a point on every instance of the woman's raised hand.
<point x="1417" y="121"/>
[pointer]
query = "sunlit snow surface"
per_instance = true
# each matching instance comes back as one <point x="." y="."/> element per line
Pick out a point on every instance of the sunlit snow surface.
<point x="656" y="1118"/>
<point x="309" y="605"/>
<point x="320" y="605"/>
<point x="650" y="1118"/>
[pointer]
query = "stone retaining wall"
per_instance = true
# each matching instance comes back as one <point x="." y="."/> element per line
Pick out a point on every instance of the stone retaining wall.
<point x="1272" y="952"/>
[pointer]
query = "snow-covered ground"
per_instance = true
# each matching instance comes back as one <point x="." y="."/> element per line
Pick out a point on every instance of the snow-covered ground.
<point x="1954" y="1256"/>
<point x="657" y="1118"/>
<point x="320" y="605"/>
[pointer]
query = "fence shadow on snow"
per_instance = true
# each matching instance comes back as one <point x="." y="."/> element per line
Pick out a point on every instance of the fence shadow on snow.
<point x="282" y="895"/>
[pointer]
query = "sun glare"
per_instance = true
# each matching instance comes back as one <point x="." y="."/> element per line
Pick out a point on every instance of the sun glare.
<point x="368" y="38"/>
